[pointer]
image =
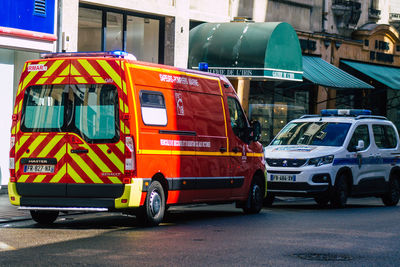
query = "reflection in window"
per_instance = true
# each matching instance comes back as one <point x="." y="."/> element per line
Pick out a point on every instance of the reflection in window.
<point x="89" y="29"/>
<point x="312" y="133"/>
<point x="114" y="31"/>
<point x="385" y="136"/>
<point x="153" y="108"/>
<point x="142" y="38"/>
<point x="43" y="108"/>
<point x="360" y="133"/>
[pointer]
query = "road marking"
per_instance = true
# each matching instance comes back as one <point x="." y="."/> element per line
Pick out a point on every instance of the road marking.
<point x="5" y="247"/>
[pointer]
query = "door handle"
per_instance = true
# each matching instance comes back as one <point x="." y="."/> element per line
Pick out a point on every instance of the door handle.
<point x="79" y="151"/>
<point x="222" y="149"/>
<point x="235" y="149"/>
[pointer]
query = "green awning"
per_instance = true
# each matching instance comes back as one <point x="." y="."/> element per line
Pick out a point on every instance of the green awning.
<point x="267" y="50"/>
<point x="320" y="72"/>
<point x="389" y="76"/>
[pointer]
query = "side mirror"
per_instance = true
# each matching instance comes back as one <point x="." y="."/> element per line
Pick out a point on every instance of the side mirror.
<point x="360" y="145"/>
<point x="256" y="127"/>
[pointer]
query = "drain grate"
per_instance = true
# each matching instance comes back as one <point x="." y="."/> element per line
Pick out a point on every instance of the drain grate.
<point x="323" y="257"/>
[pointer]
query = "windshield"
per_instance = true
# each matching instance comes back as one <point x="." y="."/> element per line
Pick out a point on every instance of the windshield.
<point x="90" y="110"/>
<point x="313" y="133"/>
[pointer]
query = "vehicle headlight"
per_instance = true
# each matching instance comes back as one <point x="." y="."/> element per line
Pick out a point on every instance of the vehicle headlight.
<point x="321" y="160"/>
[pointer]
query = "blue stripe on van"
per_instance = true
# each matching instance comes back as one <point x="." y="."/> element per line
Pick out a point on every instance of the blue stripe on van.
<point x="365" y="161"/>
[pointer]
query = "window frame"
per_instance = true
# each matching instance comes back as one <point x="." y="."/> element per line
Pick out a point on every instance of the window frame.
<point x="365" y="144"/>
<point x="164" y="106"/>
<point x="385" y="133"/>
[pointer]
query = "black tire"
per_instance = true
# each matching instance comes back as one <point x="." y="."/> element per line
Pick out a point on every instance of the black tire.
<point x="44" y="217"/>
<point x="340" y="192"/>
<point x="391" y="198"/>
<point x="153" y="211"/>
<point x="269" y="200"/>
<point x="322" y="200"/>
<point x="256" y="196"/>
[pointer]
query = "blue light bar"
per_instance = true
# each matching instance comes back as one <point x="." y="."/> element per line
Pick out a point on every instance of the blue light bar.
<point x="203" y="66"/>
<point x="345" y="112"/>
<point x="116" y="53"/>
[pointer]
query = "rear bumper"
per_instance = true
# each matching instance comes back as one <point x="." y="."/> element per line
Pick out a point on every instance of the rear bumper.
<point x="83" y="196"/>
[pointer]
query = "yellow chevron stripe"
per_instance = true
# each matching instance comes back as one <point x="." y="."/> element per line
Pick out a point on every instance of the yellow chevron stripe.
<point x="115" y="180"/>
<point x="19" y="86"/>
<point x="120" y="145"/>
<point x="13" y="132"/>
<point x="74" y="175"/>
<point x="65" y="72"/>
<point x="61" y="152"/>
<point x="20" y="106"/>
<point x="99" y="80"/>
<point x="80" y="80"/>
<point x="33" y="145"/>
<point x="110" y="71"/>
<point x="74" y="71"/>
<point x="124" y="87"/>
<point x="58" y="80"/>
<point x="23" y="178"/>
<point x="88" y="67"/>
<point x="121" y="104"/>
<point x="39" y="178"/>
<point x="53" y="68"/>
<point x="60" y="174"/>
<point x="50" y="145"/>
<point x="29" y="77"/>
<point x="84" y="166"/>
<point x="41" y="81"/>
<point x="95" y="158"/>
<point x="117" y="162"/>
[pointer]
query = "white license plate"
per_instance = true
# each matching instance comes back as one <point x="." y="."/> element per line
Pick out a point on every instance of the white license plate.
<point x="39" y="168"/>
<point x="283" y="178"/>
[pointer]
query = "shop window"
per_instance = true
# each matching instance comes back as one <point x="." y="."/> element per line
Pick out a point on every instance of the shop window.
<point x="114" y="31"/>
<point x="274" y="107"/>
<point x="109" y="29"/>
<point x="142" y="38"/>
<point x="89" y="29"/>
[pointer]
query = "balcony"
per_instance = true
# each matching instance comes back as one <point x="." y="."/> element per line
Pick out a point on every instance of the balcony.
<point x="374" y="14"/>
<point x="346" y="13"/>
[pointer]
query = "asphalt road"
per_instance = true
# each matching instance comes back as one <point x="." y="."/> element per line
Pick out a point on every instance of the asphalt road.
<point x="287" y="234"/>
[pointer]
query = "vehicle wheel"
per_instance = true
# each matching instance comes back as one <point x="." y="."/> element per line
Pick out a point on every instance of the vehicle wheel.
<point x="44" y="217"/>
<point x="391" y="198"/>
<point x="269" y="200"/>
<point x="153" y="211"/>
<point x="340" y="192"/>
<point x="256" y="196"/>
<point x="322" y="200"/>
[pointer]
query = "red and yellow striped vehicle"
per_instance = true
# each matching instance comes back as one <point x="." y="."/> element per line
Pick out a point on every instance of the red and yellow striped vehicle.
<point x="104" y="132"/>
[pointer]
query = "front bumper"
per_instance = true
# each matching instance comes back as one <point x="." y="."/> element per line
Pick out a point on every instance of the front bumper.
<point x="307" y="180"/>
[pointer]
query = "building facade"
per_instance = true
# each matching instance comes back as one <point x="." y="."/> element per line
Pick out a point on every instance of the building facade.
<point x="153" y="30"/>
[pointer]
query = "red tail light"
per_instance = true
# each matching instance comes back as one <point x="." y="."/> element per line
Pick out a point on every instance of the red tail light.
<point x="130" y="164"/>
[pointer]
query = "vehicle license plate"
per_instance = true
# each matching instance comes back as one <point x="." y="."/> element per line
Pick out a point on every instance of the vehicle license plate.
<point x="39" y="168"/>
<point x="283" y="178"/>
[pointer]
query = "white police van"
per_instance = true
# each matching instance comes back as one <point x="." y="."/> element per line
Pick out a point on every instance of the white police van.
<point x="334" y="155"/>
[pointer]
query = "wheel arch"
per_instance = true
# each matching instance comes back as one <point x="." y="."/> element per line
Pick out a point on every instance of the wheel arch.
<point x="349" y="176"/>
<point x="260" y="174"/>
<point x="395" y="173"/>
<point x="163" y="181"/>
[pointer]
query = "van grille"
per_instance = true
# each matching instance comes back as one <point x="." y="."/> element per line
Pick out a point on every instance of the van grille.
<point x="286" y="162"/>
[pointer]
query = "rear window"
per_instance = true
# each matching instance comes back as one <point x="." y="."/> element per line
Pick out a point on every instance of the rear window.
<point x="90" y="110"/>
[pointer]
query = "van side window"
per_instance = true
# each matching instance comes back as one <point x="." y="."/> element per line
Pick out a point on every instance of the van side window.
<point x="238" y="119"/>
<point x="153" y="108"/>
<point x="385" y="136"/>
<point x="360" y="133"/>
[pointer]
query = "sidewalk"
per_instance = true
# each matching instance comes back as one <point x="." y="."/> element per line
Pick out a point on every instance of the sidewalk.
<point x="9" y="212"/>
